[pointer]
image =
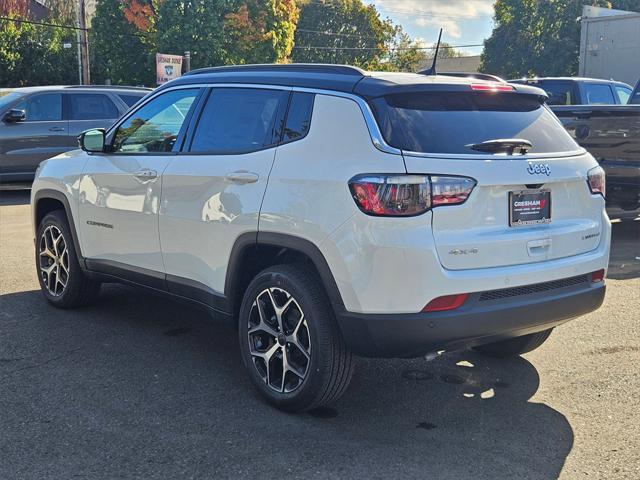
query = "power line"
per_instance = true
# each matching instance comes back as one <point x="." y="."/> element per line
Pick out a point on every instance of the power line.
<point x="69" y="27"/>
<point x="311" y="47"/>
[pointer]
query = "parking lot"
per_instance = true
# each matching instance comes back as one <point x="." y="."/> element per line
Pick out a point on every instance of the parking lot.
<point x="137" y="386"/>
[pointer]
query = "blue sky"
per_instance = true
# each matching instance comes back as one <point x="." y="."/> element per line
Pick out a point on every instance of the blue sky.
<point x="464" y="21"/>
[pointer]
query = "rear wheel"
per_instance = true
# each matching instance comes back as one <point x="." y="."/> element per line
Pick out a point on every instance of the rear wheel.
<point x="289" y="340"/>
<point x="61" y="279"/>
<point x="514" y="346"/>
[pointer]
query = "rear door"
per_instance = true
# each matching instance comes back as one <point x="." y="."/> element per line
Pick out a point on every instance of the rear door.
<point x="88" y="110"/>
<point x="546" y="189"/>
<point x="43" y="134"/>
<point x="212" y="191"/>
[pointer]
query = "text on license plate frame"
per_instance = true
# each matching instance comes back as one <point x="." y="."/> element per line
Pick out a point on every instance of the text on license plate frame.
<point x="518" y="214"/>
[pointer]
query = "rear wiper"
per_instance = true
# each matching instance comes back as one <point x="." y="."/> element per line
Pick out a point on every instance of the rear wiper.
<point x="503" y="145"/>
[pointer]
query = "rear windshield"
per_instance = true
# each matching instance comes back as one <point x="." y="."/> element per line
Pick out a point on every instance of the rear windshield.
<point x="437" y="122"/>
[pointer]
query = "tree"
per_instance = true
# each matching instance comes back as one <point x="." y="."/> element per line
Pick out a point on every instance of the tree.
<point x="259" y="31"/>
<point x="34" y="54"/>
<point x="538" y="37"/>
<point x="121" y="51"/>
<point x="342" y="31"/>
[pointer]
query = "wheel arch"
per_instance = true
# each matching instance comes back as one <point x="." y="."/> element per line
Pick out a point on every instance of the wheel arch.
<point x="46" y="201"/>
<point x="255" y="251"/>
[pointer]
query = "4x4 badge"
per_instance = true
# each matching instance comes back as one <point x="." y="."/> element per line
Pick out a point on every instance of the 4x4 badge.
<point x="538" y="168"/>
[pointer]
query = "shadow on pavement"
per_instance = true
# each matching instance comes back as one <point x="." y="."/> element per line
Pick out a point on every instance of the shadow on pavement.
<point x="14" y="197"/>
<point x="624" y="263"/>
<point x="140" y="386"/>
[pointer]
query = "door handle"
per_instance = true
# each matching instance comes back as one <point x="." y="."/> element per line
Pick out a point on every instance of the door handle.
<point x="146" y="174"/>
<point x="57" y="129"/>
<point x="242" y="177"/>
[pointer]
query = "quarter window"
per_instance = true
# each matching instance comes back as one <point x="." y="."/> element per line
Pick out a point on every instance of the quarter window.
<point x="130" y="100"/>
<point x="237" y="120"/>
<point x="155" y="126"/>
<point x="91" y="106"/>
<point x="46" y="107"/>
<point x="298" y="117"/>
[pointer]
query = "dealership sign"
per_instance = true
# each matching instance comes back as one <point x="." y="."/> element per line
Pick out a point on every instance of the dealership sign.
<point x="168" y="67"/>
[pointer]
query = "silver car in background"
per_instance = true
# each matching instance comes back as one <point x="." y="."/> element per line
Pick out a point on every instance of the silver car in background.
<point x="40" y="122"/>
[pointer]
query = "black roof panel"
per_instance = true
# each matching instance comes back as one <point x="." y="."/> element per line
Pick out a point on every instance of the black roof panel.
<point x="341" y="78"/>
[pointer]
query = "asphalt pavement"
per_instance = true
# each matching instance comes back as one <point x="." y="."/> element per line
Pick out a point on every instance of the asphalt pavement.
<point x="137" y="386"/>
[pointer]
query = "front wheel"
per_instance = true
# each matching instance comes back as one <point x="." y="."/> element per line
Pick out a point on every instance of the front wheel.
<point x="515" y="346"/>
<point x="62" y="281"/>
<point x="289" y="340"/>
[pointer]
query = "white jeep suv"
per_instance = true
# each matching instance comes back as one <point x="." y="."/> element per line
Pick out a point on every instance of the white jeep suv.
<point x="325" y="212"/>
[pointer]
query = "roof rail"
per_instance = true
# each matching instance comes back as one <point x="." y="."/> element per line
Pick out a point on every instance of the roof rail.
<point x="284" y="67"/>
<point x="115" y="87"/>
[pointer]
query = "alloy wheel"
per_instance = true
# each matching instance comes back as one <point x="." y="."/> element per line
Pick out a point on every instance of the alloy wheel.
<point x="53" y="260"/>
<point x="279" y="340"/>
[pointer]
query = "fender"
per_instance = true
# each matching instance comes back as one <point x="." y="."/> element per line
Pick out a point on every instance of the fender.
<point x="255" y="239"/>
<point x="47" y="193"/>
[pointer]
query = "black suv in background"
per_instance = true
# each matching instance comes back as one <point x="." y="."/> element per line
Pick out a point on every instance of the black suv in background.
<point x="40" y="122"/>
<point x="580" y="91"/>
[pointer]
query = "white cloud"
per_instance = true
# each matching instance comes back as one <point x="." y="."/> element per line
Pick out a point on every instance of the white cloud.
<point x="447" y="14"/>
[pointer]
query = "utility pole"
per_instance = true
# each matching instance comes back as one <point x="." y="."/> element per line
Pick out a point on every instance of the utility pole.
<point x="83" y="44"/>
<point x="187" y="61"/>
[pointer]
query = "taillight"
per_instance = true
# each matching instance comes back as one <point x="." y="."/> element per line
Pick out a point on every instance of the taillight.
<point x="597" y="276"/>
<point x="491" y="87"/>
<point x="597" y="181"/>
<point x="447" y="302"/>
<point x="407" y="195"/>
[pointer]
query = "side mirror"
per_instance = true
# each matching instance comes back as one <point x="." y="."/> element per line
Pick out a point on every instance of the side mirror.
<point x="92" y="140"/>
<point x="15" y="115"/>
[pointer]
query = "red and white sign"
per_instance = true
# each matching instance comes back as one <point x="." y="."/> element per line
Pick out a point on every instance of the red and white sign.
<point x="168" y="67"/>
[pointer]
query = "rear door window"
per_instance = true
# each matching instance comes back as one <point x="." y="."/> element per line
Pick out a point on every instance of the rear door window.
<point x="450" y="123"/>
<point x="239" y="120"/>
<point x="598" y="94"/>
<point x="91" y="106"/>
<point x="46" y="107"/>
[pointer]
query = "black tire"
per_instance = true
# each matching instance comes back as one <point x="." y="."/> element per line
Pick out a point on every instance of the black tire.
<point x="514" y="346"/>
<point x="78" y="290"/>
<point x="329" y="369"/>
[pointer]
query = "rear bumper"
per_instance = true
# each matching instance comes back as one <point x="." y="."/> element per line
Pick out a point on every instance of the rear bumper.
<point x="482" y="319"/>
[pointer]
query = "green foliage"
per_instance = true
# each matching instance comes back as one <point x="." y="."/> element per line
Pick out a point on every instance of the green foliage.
<point x="538" y="37"/>
<point x="345" y="31"/>
<point x="34" y="55"/>
<point x="196" y="26"/>
<point x="119" y="51"/>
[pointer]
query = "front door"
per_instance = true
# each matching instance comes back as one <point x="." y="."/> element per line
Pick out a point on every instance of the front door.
<point x="43" y="134"/>
<point x="212" y="192"/>
<point x="120" y="190"/>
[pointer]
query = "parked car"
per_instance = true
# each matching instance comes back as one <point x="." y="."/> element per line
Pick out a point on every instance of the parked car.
<point x="611" y="133"/>
<point x="39" y="122"/>
<point x="580" y="91"/>
<point x="325" y="211"/>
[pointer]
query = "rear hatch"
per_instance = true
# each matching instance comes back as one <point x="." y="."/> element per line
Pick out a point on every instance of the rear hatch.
<point x="526" y="207"/>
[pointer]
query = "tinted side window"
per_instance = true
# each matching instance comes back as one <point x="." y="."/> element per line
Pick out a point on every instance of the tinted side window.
<point x="623" y="94"/>
<point x="42" y="108"/>
<point x="298" y="117"/>
<point x="155" y="126"/>
<point x="129" y="99"/>
<point x="91" y="106"/>
<point x="236" y="120"/>
<point x="598" y="94"/>
<point x="560" y="93"/>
